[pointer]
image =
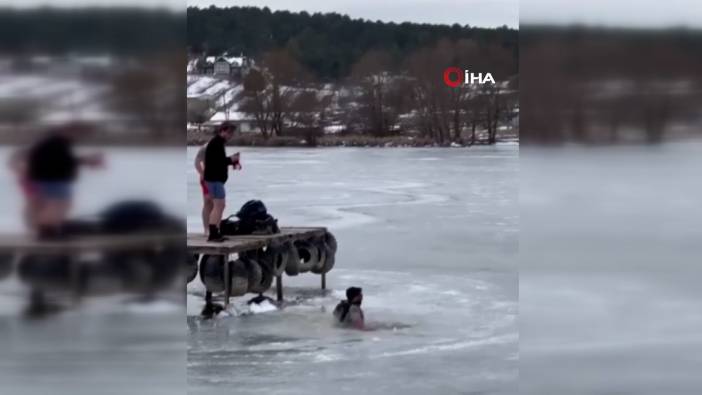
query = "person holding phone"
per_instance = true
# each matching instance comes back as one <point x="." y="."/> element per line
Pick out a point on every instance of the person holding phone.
<point x="215" y="175"/>
<point x="50" y="170"/>
<point x="207" y="203"/>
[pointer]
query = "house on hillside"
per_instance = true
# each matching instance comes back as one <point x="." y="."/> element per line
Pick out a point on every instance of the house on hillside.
<point x="222" y="66"/>
<point x="245" y="123"/>
<point x="200" y="65"/>
<point x="232" y="66"/>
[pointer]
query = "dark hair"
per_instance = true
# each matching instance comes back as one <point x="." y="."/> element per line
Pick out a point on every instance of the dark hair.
<point x="226" y="126"/>
<point x="352" y="292"/>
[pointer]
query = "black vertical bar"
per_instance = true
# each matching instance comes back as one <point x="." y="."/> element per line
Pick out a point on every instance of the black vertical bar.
<point x="279" y="287"/>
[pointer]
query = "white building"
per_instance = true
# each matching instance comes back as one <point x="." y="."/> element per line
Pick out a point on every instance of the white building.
<point x="231" y="65"/>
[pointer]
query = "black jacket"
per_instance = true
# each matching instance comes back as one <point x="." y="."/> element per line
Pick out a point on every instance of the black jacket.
<point x="53" y="159"/>
<point x="216" y="161"/>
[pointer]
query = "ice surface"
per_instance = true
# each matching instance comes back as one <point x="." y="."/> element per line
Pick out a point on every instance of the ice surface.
<point x="430" y="235"/>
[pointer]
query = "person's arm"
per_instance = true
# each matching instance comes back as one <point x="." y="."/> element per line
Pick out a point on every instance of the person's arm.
<point x="18" y="161"/>
<point x="355" y="317"/>
<point x="200" y="161"/>
<point x="235" y="159"/>
<point x="91" y="160"/>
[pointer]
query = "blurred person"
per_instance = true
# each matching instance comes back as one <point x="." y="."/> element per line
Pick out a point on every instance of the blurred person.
<point x="216" y="173"/>
<point x="348" y="313"/>
<point x="19" y="166"/>
<point x="52" y="167"/>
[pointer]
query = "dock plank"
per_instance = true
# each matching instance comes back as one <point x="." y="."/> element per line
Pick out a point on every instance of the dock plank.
<point x="18" y="243"/>
<point x="198" y="243"/>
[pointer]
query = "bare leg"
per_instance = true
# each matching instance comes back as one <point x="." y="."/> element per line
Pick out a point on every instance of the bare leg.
<point x="32" y="209"/>
<point x="218" y="206"/>
<point x="207" y="206"/>
<point x="52" y="214"/>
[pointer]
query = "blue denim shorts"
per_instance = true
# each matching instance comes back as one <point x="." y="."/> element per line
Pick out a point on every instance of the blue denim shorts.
<point x="58" y="190"/>
<point x="216" y="190"/>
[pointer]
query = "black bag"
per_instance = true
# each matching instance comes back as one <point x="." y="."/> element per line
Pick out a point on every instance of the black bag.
<point x="252" y="211"/>
<point x="253" y="219"/>
<point x="230" y="227"/>
<point x="342" y="310"/>
<point x="133" y="215"/>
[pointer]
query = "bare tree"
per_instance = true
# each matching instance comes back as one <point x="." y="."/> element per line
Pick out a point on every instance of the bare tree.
<point x="380" y="100"/>
<point x="283" y="71"/>
<point x="150" y="94"/>
<point x="441" y="109"/>
<point x="256" y="100"/>
<point x="198" y="112"/>
<point x="270" y="93"/>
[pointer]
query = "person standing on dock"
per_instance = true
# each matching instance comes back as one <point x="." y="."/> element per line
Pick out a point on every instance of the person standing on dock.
<point x="216" y="174"/>
<point x="348" y="312"/>
<point x="207" y="203"/>
<point x="51" y="167"/>
<point x="19" y="166"/>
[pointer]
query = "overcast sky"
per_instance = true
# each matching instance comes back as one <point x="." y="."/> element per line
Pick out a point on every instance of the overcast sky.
<point x="485" y="13"/>
<point x="490" y="13"/>
<point x="640" y="13"/>
<point x="172" y="4"/>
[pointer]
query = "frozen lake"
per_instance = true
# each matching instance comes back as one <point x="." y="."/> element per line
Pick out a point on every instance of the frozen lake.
<point x="106" y="345"/>
<point x="430" y="234"/>
<point x="610" y="267"/>
<point x="432" y="237"/>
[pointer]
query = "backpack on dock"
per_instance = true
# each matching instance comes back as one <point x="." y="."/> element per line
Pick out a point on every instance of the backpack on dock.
<point x="253" y="219"/>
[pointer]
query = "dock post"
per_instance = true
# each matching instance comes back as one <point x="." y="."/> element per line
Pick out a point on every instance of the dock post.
<point x="227" y="282"/>
<point x="324" y="281"/>
<point x="279" y="287"/>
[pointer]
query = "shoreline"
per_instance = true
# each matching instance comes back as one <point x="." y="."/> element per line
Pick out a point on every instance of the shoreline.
<point x="328" y="141"/>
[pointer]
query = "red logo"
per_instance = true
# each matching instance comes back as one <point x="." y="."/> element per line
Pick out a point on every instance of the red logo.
<point x="453" y="72"/>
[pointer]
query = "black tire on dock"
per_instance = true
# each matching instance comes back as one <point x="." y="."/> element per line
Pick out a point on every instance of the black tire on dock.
<point x="327" y="257"/>
<point x="266" y="278"/>
<point x="166" y="266"/>
<point x="212" y="272"/>
<point x="320" y="249"/>
<point x="274" y="257"/>
<point x="292" y="266"/>
<point x="6" y="263"/>
<point x="239" y="276"/>
<point x="331" y="242"/>
<point x="145" y="270"/>
<point x="254" y="274"/>
<point x="136" y="270"/>
<point x="278" y="256"/>
<point x="192" y="267"/>
<point x="98" y="277"/>
<point x="260" y="277"/>
<point x="308" y="255"/>
<point x="45" y="271"/>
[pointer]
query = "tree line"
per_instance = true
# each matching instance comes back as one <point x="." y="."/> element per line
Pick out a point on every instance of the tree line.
<point x="384" y="98"/>
<point x="327" y="45"/>
<point x="373" y="78"/>
<point x="118" y="31"/>
<point x="607" y="85"/>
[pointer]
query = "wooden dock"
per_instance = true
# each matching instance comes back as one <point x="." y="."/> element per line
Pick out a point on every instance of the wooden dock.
<point x="198" y="244"/>
<point x="17" y="243"/>
<point x="17" y="246"/>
